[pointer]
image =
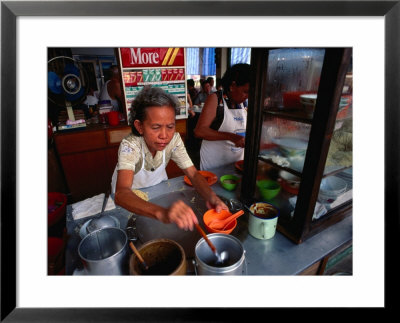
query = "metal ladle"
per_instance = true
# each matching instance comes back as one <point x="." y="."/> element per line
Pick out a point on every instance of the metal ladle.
<point x="101" y="221"/>
<point x="221" y="258"/>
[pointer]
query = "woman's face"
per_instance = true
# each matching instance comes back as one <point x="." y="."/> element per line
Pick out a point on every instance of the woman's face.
<point x="157" y="128"/>
<point x="240" y="93"/>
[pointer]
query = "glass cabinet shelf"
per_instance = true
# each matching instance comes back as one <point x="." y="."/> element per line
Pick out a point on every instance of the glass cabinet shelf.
<point x="287" y="169"/>
<point x="329" y="171"/>
<point x="289" y="114"/>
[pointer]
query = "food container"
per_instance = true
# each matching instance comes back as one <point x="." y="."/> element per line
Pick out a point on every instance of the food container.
<point x="268" y="188"/>
<point x="292" y="99"/>
<point x="162" y="256"/>
<point x="210" y="177"/>
<point x="289" y="182"/>
<point x="296" y="163"/>
<point x="104" y="252"/>
<point x="309" y="100"/>
<point x="113" y="118"/>
<point x="331" y="188"/>
<point x="263" y="220"/>
<point x="291" y="146"/>
<point x="229" y="182"/>
<point x="205" y="259"/>
<point x="309" y="108"/>
<point x="211" y="215"/>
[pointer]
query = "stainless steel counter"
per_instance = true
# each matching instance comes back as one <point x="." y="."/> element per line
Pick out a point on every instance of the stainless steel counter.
<point x="277" y="256"/>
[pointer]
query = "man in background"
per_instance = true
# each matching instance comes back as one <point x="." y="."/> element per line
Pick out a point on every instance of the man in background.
<point x="112" y="89"/>
<point x="191" y="89"/>
<point x="204" y="93"/>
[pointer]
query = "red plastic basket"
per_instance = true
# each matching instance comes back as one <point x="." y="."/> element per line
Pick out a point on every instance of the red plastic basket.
<point x="57" y="204"/>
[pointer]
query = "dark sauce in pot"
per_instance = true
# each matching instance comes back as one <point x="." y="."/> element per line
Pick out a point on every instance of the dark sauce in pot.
<point x="216" y="263"/>
<point x="165" y="266"/>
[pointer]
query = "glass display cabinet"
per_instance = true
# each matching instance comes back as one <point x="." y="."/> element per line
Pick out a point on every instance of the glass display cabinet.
<point x="299" y="135"/>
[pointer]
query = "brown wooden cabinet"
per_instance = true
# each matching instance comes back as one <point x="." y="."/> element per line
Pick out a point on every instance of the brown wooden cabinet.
<point x="88" y="158"/>
<point x="267" y="110"/>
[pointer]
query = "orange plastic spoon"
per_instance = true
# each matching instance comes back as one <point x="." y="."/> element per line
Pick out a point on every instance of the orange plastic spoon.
<point x="220" y="224"/>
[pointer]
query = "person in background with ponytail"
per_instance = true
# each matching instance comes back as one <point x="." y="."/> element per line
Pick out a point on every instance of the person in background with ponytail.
<point x="144" y="154"/>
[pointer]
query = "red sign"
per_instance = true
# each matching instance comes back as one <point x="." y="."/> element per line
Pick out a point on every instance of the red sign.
<point x="152" y="57"/>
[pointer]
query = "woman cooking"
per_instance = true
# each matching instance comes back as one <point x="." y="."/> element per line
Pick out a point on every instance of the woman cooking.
<point x="222" y="122"/>
<point x="144" y="155"/>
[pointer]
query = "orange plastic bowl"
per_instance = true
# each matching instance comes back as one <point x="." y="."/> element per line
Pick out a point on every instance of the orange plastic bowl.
<point x="211" y="215"/>
<point x="211" y="178"/>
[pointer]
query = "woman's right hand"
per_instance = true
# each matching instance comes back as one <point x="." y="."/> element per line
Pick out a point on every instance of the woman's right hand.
<point x="180" y="214"/>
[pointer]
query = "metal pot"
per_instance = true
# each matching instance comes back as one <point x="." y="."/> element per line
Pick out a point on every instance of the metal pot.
<point x="104" y="252"/>
<point x="206" y="260"/>
<point x="163" y="256"/>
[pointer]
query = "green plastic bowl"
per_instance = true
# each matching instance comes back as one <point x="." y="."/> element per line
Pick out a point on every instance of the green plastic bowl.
<point x="268" y="188"/>
<point x="229" y="182"/>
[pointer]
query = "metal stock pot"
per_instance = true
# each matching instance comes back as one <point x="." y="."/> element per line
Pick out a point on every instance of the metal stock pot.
<point x="105" y="252"/>
<point x="205" y="258"/>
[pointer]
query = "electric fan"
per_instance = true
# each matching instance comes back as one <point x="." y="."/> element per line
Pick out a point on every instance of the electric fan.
<point x="67" y="87"/>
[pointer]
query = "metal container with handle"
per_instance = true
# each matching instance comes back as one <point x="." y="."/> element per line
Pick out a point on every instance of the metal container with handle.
<point x="163" y="257"/>
<point x="105" y="252"/>
<point x="102" y="221"/>
<point x="205" y="263"/>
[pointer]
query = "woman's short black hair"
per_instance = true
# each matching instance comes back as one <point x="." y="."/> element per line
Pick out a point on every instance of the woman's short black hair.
<point x="150" y="97"/>
<point x="238" y="73"/>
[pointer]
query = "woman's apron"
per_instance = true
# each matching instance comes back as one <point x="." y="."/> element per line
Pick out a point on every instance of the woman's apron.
<point x="144" y="178"/>
<point x="220" y="152"/>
